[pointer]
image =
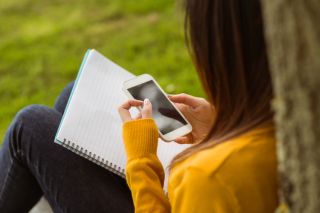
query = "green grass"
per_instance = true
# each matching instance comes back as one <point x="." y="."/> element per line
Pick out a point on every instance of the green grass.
<point x="42" y="44"/>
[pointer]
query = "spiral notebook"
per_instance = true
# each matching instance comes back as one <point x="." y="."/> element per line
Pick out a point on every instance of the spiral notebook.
<point x="91" y="126"/>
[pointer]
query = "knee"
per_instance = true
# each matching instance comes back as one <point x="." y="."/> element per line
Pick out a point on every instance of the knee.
<point x="30" y="114"/>
<point x="33" y="126"/>
<point x="36" y="117"/>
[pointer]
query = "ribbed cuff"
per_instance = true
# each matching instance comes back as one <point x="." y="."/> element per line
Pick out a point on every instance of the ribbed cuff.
<point x="140" y="137"/>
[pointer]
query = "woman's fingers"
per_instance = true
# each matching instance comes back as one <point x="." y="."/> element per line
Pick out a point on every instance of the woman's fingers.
<point x="124" y="109"/>
<point x="181" y="107"/>
<point x="181" y="140"/>
<point x="185" y="99"/>
<point x="187" y="139"/>
<point x="146" y="111"/>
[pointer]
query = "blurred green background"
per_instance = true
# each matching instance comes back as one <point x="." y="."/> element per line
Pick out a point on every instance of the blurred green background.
<point x="42" y="43"/>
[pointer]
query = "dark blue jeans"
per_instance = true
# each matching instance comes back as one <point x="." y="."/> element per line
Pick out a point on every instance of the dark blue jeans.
<point x="32" y="165"/>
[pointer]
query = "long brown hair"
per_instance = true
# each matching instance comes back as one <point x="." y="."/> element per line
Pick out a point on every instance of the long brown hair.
<point x="226" y="41"/>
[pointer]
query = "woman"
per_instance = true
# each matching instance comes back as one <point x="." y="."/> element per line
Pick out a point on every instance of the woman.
<point x="231" y="166"/>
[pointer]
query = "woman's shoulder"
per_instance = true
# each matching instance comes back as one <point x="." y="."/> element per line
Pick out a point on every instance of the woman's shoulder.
<point x="254" y="148"/>
<point x="249" y="151"/>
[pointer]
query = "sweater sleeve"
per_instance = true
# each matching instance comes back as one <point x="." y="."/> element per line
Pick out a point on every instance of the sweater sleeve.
<point x="144" y="172"/>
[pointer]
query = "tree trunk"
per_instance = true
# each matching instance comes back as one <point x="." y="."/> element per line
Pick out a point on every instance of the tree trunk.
<point x="293" y="39"/>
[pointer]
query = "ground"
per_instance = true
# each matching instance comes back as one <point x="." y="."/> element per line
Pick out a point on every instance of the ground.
<point x="42" y="44"/>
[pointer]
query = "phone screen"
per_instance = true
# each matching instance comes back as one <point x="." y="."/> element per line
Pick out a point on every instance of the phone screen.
<point x="165" y="115"/>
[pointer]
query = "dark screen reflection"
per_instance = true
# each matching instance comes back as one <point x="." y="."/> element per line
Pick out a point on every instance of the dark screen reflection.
<point x="164" y="114"/>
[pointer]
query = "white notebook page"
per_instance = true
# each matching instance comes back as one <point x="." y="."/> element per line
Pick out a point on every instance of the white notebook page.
<point x="91" y="120"/>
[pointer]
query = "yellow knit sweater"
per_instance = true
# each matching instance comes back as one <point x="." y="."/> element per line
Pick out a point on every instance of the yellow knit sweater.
<point x="236" y="176"/>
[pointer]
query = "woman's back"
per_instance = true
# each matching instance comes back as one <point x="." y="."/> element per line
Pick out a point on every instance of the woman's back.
<point x="237" y="174"/>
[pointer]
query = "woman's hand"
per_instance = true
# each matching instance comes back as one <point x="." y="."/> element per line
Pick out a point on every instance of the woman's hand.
<point x="199" y="112"/>
<point x="146" y="111"/>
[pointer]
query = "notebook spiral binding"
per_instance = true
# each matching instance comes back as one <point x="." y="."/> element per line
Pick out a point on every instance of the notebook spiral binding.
<point x="93" y="157"/>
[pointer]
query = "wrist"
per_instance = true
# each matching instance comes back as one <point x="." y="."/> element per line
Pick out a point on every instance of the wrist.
<point x="140" y="137"/>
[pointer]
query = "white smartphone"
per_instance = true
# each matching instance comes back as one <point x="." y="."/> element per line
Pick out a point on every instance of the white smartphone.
<point x="170" y="121"/>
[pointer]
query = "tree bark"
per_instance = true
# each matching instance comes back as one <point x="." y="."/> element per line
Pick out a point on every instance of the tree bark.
<point x="293" y="40"/>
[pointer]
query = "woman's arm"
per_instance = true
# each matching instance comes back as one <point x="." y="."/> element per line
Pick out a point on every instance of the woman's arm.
<point x="144" y="172"/>
<point x="196" y="192"/>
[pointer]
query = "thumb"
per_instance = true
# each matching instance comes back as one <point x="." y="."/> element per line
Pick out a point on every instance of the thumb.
<point x="146" y="111"/>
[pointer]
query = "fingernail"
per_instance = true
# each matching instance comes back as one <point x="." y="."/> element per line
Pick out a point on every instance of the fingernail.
<point x="146" y="101"/>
